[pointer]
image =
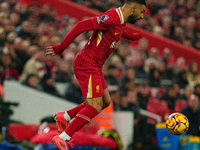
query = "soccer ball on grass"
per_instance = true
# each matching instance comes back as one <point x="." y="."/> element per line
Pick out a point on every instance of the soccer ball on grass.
<point x="177" y="124"/>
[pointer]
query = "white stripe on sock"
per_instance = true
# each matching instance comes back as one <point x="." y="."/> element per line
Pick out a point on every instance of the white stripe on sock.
<point x="65" y="136"/>
<point x="66" y="116"/>
<point x="83" y="117"/>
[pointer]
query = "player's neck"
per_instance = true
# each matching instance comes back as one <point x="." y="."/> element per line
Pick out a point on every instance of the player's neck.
<point x="125" y="12"/>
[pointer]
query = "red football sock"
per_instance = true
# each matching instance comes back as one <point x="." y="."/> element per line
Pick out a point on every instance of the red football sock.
<point x="72" y="112"/>
<point x="81" y="119"/>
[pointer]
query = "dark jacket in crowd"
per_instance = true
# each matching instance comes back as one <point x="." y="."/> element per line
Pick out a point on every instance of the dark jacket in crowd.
<point x="194" y="120"/>
<point x="74" y="94"/>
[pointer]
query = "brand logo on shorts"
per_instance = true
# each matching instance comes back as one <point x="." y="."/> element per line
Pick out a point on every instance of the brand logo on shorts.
<point x="97" y="88"/>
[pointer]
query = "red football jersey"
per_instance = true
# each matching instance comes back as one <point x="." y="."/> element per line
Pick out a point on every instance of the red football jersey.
<point x="108" y="29"/>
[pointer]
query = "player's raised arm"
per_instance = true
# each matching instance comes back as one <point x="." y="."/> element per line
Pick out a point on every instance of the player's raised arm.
<point x="80" y="27"/>
<point x="131" y="36"/>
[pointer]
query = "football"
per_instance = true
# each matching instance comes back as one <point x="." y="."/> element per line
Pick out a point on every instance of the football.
<point x="177" y="124"/>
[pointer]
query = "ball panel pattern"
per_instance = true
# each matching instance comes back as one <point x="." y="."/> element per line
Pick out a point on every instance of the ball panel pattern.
<point x="177" y="124"/>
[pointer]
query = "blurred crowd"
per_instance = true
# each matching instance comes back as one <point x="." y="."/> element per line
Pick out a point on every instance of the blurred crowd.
<point x="175" y="19"/>
<point x="137" y="78"/>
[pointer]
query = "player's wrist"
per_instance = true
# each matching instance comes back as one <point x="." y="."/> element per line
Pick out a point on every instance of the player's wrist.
<point x="57" y="49"/>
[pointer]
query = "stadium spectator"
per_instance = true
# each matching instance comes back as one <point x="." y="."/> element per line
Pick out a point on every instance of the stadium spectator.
<point x="69" y="58"/>
<point x="24" y="30"/>
<point x="5" y="7"/>
<point x="197" y="36"/>
<point x="43" y="41"/>
<point x="161" y="66"/>
<point x="170" y="96"/>
<point x="111" y="77"/>
<point x="176" y="87"/>
<point x="181" y="79"/>
<point x="2" y="37"/>
<point x="180" y="64"/>
<point x="115" y="97"/>
<point x="154" y="53"/>
<point x="127" y="85"/>
<point x="2" y="73"/>
<point x="73" y="91"/>
<point x="197" y="90"/>
<point x="42" y="29"/>
<point x="47" y="14"/>
<point x="9" y="67"/>
<point x="193" y="76"/>
<point x="11" y="36"/>
<point x="149" y="64"/>
<point x="170" y="71"/>
<point x="35" y="65"/>
<point x="129" y="62"/>
<point x="116" y="61"/>
<point x="123" y="101"/>
<point x="143" y="95"/>
<point x="123" y="50"/>
<point x="152" y="59"/>
<point x="47" y="85"/>
<point x="32" y="50"/>
<point x="31" y="81"/>
<point x="143" y="45"/>
<point x="154" y="78"/>
<point x="62" y="74"/>
<point x="192" y="112"/>
<point x="138" y="58"/>
<point x="15" y="18"/>
<point x="132" y="101"/>
<point x="166" y="55"/>
<point x="141" y="126"/>
<point x="129" y="75"/>
<point x="21" y="53"/>
<point x="51" y="64"/>
<point x="187" y="92"/>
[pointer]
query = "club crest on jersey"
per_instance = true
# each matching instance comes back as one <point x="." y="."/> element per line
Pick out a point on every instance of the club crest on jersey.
<point x="104" y="18"/>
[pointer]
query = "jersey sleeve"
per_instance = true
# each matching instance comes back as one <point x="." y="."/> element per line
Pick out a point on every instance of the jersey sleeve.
<point x="80" y="27"/>
<point x="103" y="21"/>
<point x="131" y="36"/>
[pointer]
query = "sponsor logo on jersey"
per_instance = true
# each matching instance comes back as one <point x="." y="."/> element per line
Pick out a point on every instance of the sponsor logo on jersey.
<point x="104" y="18"/>
<point x="116" y="33"/>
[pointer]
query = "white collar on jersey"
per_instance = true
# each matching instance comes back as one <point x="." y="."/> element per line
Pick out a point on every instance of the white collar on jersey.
<point x="119" y="11"/>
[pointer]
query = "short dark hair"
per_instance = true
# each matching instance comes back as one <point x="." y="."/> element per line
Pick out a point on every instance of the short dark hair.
<point x="143" y="2"/>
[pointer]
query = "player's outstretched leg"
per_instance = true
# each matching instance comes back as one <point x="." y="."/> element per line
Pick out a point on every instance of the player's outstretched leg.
<point x="61" y="144"/>
<point x="63" y="118"/>
<point x="82" y="118"/>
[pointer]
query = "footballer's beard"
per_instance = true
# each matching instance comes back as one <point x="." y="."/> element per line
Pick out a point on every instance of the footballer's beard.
<point x="132" y="19"/>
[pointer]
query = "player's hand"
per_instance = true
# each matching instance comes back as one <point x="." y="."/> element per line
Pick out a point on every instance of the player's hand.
<point x="50" y="51"/>
<point x="136" y="36"/>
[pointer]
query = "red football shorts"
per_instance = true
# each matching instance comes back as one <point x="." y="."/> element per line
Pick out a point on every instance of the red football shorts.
<point x="91" y="79"/>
